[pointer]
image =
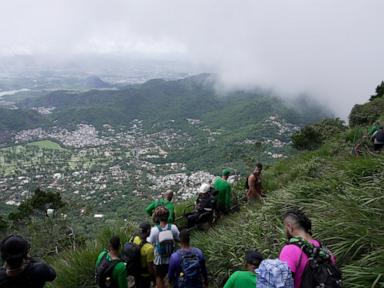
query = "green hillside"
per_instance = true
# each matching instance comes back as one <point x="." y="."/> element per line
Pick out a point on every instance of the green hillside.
<point x="342" y="194"/>
<point x="159" y="100"/>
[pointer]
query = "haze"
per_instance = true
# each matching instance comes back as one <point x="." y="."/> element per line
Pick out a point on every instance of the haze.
<point x="331" y="50"/>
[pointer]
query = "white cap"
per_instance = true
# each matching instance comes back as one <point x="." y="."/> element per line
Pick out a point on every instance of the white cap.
<point x="204" y="188"/>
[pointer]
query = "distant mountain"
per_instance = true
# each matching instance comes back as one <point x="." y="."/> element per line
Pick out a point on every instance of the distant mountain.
<point x="94" y="82"/>
<point x="159" y="100"/>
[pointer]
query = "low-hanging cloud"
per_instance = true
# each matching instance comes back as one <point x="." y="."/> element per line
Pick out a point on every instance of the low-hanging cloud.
<point x="332" y="50"/>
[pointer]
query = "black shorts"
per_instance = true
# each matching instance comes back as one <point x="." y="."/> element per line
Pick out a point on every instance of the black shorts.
<point x="161" y="270"/>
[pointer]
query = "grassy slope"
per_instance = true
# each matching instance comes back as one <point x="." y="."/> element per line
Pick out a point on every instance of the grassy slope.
<point x="342" y="195"/>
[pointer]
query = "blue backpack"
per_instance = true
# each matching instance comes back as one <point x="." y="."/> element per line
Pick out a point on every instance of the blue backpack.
<point x="190" y="277"/>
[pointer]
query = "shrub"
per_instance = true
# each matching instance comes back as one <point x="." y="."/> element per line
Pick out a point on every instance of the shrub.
<point x="307" y="139"/>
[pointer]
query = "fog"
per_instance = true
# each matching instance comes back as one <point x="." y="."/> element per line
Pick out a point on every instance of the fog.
<point x="331" y="50"/>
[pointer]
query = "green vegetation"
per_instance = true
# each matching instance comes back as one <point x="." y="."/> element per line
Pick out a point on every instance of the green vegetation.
<point x="46" y="144"/>
<point x="369" y="112"/>
<point x="313" y="136"/>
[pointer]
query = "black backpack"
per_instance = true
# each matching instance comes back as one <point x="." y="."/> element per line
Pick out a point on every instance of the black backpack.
<point x="320" y="271"/>
<point x="132" y="257"/>
<point x="380" y="135"/>
<point x="104" y="272"/>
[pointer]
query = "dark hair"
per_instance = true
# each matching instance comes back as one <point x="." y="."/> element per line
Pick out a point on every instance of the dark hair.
<point x="301" y="219"/>
<point x="259" y="165"/>
<point x="144" y="230"/>
<point x="185" y="236"/>
<point x="253" y="257"/>
<point x="14" y="249"/>
<point x="161" y="213"/>
<point x="169" y="195"/>
<point x="114" y="242"/>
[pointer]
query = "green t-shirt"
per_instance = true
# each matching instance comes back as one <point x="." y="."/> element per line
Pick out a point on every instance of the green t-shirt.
<point x="224" y="196"/>
<point x="162" y="202"/>
<point x="119" y="273"/>
<point x="241" y="279"/>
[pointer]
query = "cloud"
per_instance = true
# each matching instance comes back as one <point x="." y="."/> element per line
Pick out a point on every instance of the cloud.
<point x="329" y="49"/>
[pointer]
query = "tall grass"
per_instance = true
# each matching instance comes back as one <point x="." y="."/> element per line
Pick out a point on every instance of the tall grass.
<point x="343" y="196"/>
<point x="76" y="269"/>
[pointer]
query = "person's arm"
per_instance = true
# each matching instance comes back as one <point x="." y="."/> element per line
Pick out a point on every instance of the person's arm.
<point x="171" y="209"/>
<point x="172" y="270"/>
<point x="45" y="272"/>
<point x="231" y="281"/>
<point x="150" y="208"/>
<point x="175" y="232"/>
<point x="204" y="269"/>
<point x="150" y="258"/>
<point x="152" y="236"/>
<point x="290" y="254"/>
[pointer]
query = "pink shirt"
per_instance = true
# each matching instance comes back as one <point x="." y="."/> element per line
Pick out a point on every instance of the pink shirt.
<point x="291" y="255"/>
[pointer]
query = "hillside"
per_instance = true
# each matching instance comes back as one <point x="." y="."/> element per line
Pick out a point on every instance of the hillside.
<point x="340" y="192"/>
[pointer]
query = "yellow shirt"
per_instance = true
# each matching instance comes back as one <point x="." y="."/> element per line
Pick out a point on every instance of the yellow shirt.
<point x="146" y="254"/>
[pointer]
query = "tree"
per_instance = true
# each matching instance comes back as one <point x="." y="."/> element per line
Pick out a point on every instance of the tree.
<point x="308" y="138"/>
<point x="379" y="91"/>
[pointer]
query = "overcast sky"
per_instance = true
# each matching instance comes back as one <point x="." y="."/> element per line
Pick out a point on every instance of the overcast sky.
<point x="331" y="49"/>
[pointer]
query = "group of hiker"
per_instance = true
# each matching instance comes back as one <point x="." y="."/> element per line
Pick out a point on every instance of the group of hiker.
<point x="159" y="255"/>
<point x="303" y="261"/>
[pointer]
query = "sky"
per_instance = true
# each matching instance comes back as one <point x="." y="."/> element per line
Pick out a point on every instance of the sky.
<point x="332" y="50"/>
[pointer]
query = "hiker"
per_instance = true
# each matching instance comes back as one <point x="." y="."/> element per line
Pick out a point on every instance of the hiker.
<point x="187" y="265"/>
<point x="378" y="139"/>
<point x="110" y="269"/>
<point x="254" y="183"/>
<point x="20" y="269"/>
<point x="301" y="245"/>
<point x="147" y="272"/>
<point x="223" y="188"/>
<point x="205" y="205"/>
<point x="166" y="201"/>
<point x="163" y="237"/>
<point x="247" y="278"/>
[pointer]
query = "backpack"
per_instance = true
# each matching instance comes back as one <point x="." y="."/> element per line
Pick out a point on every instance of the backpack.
<point x="104" y="272"/>
<point x="166" y="243"/>
<point x="380" y="135"/>
<point x="320" y="271"/>
<point x="132" y="257"/>
<point x="190" y="277"/>
<point x="273" y="273"/>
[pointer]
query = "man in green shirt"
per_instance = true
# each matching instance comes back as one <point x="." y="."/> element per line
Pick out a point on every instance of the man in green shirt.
<point x="111" y="257"/>
<point x="166" y="201"/>
<point x="246" y="279"/>
<point x="223" y="188"/>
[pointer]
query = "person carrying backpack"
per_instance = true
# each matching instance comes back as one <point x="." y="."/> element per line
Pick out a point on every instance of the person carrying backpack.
<point x="246" y="279"/>
<point x="111" y="271"/>
<point x="311" y="263"/>
<point x="147" y="272"/>
<point x="166" y="201"/>
<point x="205" y="205"/>
<point x="20" y="270"/>
<point x="187" y="265"/>
<point x="163" y="237"/>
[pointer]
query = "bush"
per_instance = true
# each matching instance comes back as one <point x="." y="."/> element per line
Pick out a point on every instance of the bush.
<point x="307" y="139"/>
